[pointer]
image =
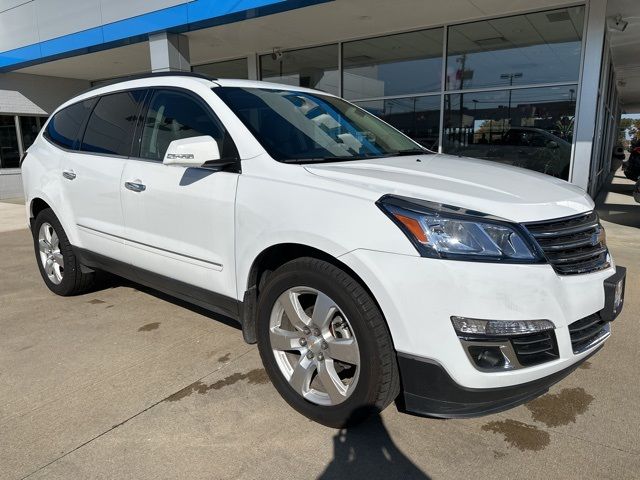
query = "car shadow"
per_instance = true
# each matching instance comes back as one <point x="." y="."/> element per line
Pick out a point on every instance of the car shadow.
<point x="622" y="188"/>
<point x="621" y="214"/>
<point x="367" y="451"/>
<point x="106" y="281"/>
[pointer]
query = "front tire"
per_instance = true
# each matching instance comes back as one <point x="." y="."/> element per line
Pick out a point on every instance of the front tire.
<point x="325" y="344"/>
<point x="59" y="267"/>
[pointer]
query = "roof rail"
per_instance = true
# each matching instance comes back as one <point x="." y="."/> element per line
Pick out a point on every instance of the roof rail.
<point x="139" y="76"/>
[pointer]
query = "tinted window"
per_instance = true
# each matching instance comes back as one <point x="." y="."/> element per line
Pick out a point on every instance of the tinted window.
<point x="30" y="127"/>
<point x="305" y="127"/>
<point x="65" y="125"/>
<point x="9" y="152"/>
<point x="112" y="123"/>
<point x="173" y="116"/>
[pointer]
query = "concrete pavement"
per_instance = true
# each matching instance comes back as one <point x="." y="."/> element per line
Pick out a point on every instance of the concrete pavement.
<point x="124" y="382"/>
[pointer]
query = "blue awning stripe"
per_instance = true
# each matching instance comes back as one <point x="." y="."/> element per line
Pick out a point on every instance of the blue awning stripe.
<point x="189" y="16"/>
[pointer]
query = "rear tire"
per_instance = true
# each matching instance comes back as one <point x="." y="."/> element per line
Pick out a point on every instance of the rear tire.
<point x="347" y="355"/>
<point x="60" y="268"/>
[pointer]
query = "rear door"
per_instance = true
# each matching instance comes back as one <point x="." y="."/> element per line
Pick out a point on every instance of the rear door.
<point x="180" y="220"/>
<point x="93" y="174"/>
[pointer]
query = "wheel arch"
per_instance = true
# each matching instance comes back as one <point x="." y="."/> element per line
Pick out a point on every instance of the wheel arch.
<point x="269" y="260"/>
<point x="36" y="205"/>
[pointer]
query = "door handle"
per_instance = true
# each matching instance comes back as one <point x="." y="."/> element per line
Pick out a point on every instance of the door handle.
<point x="69" y="174"/>
<point x="135" y="186"/>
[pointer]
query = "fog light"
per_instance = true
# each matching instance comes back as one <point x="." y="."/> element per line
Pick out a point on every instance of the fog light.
<point x="487" y="357"/>
<point x="473" y="326"/>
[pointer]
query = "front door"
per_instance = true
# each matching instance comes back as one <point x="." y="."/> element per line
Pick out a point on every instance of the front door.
<point x="179" y="221"/>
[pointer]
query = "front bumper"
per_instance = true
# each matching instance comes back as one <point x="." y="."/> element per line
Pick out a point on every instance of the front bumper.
<point x="428" y="390"/>
<point x="418" y="296"/>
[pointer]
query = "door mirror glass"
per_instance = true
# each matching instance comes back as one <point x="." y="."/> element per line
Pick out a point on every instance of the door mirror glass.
<point x="192" y="152"/>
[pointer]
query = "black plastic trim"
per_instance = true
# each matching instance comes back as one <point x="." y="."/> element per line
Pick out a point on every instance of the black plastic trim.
<point x="428" y="390"/>
<point x="201" y="297"/>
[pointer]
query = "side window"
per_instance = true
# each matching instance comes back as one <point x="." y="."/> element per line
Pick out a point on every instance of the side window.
<point x="173" y="116"/>
<point x="64" y="127"/>
<point x="112" y="123"/>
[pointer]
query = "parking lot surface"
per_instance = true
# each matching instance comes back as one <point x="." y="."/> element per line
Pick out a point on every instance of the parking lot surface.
<point x="124" y="382"/>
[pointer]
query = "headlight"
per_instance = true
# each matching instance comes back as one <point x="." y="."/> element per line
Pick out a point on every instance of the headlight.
<point x="449" y="232"/>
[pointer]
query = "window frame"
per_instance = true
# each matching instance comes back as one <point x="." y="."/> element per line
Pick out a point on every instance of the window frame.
<point x="151" y="93"/>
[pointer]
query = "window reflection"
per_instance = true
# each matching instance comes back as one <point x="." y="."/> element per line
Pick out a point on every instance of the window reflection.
<point x="416" y="117"/>
<point x="539" y="47"/>
<point x="9" y="152"/>
<point x="407" y="63"/>
<point x="530" y="128"/>
<point x="227" y="69"/>
<point x="29" y="127"/>
<point x="310" y="67"/>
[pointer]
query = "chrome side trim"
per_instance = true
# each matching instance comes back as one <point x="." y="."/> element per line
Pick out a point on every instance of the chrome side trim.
<point x="217" y="265"/>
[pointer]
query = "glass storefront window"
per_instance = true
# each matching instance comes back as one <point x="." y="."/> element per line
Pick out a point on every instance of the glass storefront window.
<point x="530" y="128"/>
<point x="9" y="151"/>
<point x="29" y="127"/>
<point x="406" y="63"/>
<point x="310" y="67"/>
<point x="541" y="47"/>
<point x="416" y="117"/>
<point x="227" y="69"/>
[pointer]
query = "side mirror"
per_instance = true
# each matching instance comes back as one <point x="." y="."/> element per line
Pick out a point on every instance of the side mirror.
<point x="552" y="144"/>
<point x="192" y="152"/>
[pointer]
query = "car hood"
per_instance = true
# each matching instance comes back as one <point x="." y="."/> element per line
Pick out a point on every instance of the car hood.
<point x="508" y="192"/>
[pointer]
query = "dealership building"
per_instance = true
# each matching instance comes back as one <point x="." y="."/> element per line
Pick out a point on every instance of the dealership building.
<point x="537" y="84"/>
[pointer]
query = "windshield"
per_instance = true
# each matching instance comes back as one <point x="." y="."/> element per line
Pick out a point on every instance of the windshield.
<point x="301" y="127"/>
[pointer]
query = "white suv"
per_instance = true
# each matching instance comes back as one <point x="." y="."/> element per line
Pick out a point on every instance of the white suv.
<point x="366" y="268"/>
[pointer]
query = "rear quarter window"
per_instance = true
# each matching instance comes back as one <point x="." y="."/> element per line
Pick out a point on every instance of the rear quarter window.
<point x="64" y="127"/>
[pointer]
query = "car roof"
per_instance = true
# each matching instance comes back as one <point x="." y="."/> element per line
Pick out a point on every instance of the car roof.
<point x="185" y="80"/>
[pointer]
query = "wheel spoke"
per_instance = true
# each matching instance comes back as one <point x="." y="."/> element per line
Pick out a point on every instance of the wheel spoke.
<point x="301" y="376"/>
<point x="323" y="310"/>
<point x="284" y="339"/>
<point x="47" y="233"/>
<point x="331" y="382"/>
<point x="54" y="240"/>
<point x="58" y="258"/>
<point x="344" y="350"/>
<point x="56" y="271"/>
<point x="293" y="309"/>
<point x="43" y="245"/>
<point x="48" y="266"/>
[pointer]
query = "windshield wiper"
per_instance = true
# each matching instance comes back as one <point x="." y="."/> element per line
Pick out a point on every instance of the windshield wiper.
<point x="343" y="158"/>
<point x="413" y="151"/>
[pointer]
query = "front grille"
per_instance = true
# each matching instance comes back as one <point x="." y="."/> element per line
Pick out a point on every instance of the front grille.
<point x="572" y="245"/>
<point x="586" y="331"/>
<point x="535" y="348"/>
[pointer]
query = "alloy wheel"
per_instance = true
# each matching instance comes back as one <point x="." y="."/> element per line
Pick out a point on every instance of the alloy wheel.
<point x="314" y="346"/>
<point x="50" y="255"/>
